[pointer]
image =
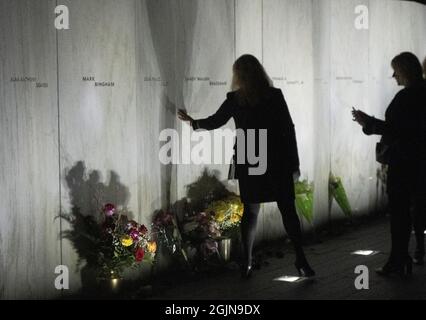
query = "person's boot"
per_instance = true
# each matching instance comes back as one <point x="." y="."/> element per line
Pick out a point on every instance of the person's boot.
<point x="301" y="264"/>
<point x="419" y="257"/>
<point x="304" y="270"/>
<point x="420" y="250"/>
<point x="402" y="268"/>
<point x="246" y="271"/>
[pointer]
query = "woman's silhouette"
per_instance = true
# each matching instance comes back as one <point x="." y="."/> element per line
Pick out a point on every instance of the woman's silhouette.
<point x="255" y="104"/>
<point x="424" y="68"/>
<point x="402" y="147"/>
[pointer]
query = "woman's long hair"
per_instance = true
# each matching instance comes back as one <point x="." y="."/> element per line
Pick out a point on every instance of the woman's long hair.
<point x="409" y="66"/>
<point x="250" y="80"/>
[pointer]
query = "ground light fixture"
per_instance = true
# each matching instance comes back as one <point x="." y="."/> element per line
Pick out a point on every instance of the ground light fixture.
<point x="365" y="252"/>
<point x="287" y="278"/>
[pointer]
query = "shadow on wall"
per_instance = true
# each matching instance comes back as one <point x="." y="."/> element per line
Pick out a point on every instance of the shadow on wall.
<point x="167" y="120"/>
<point x="165" y="17"/>
<point x="88" y="194"/>
<point x="190" y="230"/>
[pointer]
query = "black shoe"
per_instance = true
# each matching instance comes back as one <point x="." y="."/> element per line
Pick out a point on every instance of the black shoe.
<point x="305" y="270"/>
<point x="401" y="269"/>
<point x="386" y="270"/>
<point x="246" y="272"/>
<point x="418" y="258"/>
<point x="418" y="261"/>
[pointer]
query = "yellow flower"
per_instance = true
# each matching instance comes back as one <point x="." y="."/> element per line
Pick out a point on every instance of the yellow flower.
<point x="235" y="218"/>
<point x="239" y="210"/>
<point x="151" y="246"/>
<point x="220" y="216"/>
<point x="227" y="211"/>
<point x="126" y="241"/>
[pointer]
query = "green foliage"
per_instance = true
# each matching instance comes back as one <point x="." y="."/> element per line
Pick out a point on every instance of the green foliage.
<point x="337" y="191"/>
<point x="305" y="199"/>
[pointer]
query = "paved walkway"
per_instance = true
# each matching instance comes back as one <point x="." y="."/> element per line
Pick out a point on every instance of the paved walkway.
<point x="331" y="259"/>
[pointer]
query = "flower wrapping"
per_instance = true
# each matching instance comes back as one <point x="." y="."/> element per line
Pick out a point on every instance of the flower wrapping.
<point x="337" y="191"/>
<point x="305" y="199"/>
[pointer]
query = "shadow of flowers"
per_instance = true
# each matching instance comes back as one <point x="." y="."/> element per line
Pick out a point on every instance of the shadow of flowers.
<point x="88" y="195"/>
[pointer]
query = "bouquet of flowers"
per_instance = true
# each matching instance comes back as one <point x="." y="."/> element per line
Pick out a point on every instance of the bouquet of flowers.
<point x="337" y="191"/>
<point x="227" y="213"/>
<point x="201" y="231"/>
<point x="166" y="229"/>
<point x="305" y="199"/>
<point x="110" y="242"/>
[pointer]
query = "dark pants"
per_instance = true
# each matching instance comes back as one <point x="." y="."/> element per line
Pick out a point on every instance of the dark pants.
<point x="404" y="194"/>
<point x="419" y="222"/>
<point x="400" y="223"/>
<point x="291" y="224"/>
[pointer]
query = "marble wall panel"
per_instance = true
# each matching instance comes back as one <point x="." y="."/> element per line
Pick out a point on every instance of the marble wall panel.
<point x="97" y="97"/>
<point x="29" y="170"/>
<point x="349" y="70"/>
<point x="124" y="68"/>
<point x="288" y="59"/>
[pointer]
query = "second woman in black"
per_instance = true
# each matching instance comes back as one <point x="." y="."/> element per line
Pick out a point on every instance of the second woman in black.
<point x="402" y="148"/>
<point x="255" y="104"/>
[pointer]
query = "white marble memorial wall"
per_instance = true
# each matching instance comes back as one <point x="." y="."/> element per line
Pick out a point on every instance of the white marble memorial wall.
<point x="81" y="109"/>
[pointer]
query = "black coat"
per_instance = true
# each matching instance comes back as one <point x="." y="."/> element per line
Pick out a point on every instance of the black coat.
<point x="282" y="157"/>
<point x="404" y="132"/>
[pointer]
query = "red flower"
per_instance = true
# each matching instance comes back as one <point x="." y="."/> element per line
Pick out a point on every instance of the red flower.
<point x="139" y="254"/>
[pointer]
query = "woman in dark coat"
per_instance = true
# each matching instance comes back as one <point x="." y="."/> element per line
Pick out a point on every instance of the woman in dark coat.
<point x="424" y="68"/>
<point x="255" y="104"/>
<point x="402" y="148"/>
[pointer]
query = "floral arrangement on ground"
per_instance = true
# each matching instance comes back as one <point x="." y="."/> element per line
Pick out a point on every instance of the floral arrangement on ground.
<point x="109" y="241"/>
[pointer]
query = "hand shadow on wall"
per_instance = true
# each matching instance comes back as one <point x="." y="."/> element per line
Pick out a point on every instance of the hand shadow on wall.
<point x="172" y="32"/>
<point x="88" y="194"/>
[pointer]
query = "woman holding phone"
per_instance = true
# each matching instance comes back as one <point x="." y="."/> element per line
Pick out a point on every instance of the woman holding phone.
<point x="402" y="148"/>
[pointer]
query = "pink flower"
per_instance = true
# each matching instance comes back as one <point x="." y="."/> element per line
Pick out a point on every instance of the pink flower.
<point x="134" y="234"/>
<point x="109" y="209"/>
<point x="139" y="254"/>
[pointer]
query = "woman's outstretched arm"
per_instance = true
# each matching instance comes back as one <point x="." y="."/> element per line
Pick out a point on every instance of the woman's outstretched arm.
<point x="374" y="126"/>
<point x="218" y="119"/>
